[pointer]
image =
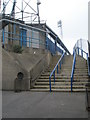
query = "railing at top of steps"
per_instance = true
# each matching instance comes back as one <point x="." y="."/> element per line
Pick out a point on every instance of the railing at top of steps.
<point x="83" y="52"/>
<point x="77" y="51"/>
<point x="56" y="67"/>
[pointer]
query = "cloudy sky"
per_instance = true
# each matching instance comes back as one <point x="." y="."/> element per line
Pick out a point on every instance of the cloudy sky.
<point x="74" y="16"/>
<point x="73" y="13"/>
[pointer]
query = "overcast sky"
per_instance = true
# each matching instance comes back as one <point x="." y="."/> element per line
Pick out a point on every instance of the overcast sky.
<point x="73" y="13"/>
<point x="74" y="16"/>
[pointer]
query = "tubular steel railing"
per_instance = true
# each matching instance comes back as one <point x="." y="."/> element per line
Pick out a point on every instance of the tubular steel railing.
<point x="15" y="32"/>
<point x="84" y="52"/>
<point x="81" y="48"/>
<point x="73" y="68"/>
<point x="78" y="51"/>
<point x="56" y="67"/>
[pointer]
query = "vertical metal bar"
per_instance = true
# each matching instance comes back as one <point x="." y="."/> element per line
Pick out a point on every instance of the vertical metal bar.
<point x="54" y="77"/>
<point x="60" y="65"/>
<point x="14" y="29"/>
<point x="22" y="10"/>
<point x="50" y="83"/>
<point x="57" y="69"/>
<point x="77" y="44"/>
<point x="21" y="38"/>
<point x="81" y="43"/>
<point x="82" y="53"/>
<point x="87" y="57"/>
<point x="71" y="84"/>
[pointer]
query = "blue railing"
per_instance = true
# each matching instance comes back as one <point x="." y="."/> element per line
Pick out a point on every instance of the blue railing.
<point x="73" y="68"/>
<point x="56" y="67"/>
<point x="78" y="51"/>
<point x="52" y="47"/>
<point x="83" y="52"/>
<point x="29" y="36"/>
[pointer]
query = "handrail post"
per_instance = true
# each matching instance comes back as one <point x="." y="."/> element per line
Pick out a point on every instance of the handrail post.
<point x="54" y="77"/>
<point x="87" y="56"/>
<point x="21" y="36"/>
<point x="53" y="72"/>
<point x="57" y="69"/>
<point x="78" y="51"/>
<point x="73" y="68"/>
<point x="81" y="52"/>
<point x="50" y="83"/>
<point x="60" y="65"/>
<point x="71" y="84"/>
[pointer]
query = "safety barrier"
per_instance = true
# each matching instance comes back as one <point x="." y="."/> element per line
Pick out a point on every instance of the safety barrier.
<point x="56" y="67"/>
<point x="80" y="52"/>
<point x="15" y="32"/>
<point x="73" y="68"/>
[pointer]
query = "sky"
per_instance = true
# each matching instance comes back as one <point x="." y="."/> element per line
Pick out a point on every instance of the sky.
<point x="72" y="13"/>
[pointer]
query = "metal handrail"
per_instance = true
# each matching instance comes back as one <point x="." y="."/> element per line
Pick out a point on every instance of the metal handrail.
<point x="73" y="68"/>
<point x="82" y="51"/>
<point x="74" y="62"/>
<point x="56" y="67"/>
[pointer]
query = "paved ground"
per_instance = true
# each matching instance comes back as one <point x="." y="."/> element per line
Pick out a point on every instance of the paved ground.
<point x="43" y="105"/>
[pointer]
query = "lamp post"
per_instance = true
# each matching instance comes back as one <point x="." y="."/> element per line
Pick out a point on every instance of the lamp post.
<point x="60" y="25"/>
<point x="22" y="10"/>
<point x="38" y="3"/>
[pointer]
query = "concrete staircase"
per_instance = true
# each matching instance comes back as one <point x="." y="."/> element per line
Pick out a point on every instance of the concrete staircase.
<point x="80" y="74"/>
<point x="63" y="79"/>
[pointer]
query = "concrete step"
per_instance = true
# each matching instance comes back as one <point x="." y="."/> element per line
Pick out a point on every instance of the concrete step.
<point x="76" y="76"/>
<point x="81" y="74"/>
<point x="59" y="90"/>
<point x="61" y="83"/>
<point x="60" y="74"/>
<point x="66" y="77"/>
<point x="62" y="80"/>
<point x="59" y="86"/>
<point x="79" y="69"/>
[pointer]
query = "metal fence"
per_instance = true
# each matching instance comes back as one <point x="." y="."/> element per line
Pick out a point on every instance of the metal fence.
<point x="16" y="33"/>
<point x="82" y="45"/>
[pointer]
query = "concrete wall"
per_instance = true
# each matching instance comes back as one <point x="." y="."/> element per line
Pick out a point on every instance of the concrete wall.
<point x="39" y="67"/>
<point x="31" y="65"/>
<point x="10" y="69"/>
